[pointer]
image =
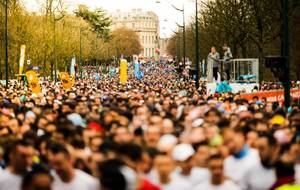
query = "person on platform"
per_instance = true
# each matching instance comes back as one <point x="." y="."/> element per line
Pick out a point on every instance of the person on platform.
<point x="213" y="65"/>
<point x="227" y="61"/>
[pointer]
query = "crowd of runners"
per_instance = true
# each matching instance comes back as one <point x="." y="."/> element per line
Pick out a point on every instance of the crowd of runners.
<point x="155" y="133"/>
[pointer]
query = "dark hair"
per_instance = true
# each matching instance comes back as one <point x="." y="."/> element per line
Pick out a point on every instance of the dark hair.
<point x="12" y="147"/>
<point x="78" y="142"/>
<point x="270" y="138"/>
<point x="36" y="171"/>
<point x="223" y="123"/>
<point x="131" y="150"/>
<point x="110" y="175"/>
<point x="216" y="156"/>
<point x="213" y="110"/>
<point x="284" y="169"/>
<point x="56" y="148"/>
<point x="152" y="152"/>
<point x="239" y="129"/>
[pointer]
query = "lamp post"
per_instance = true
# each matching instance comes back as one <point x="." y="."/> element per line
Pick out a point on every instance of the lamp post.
<point x="286" y="53"/>
<point x="54" y="48"/>
<point x="6" y="43"/>
<point x="55" y="19"/>
<point x="80" y="64"/>
<point x="197" y="47"/>
<point x="183" y="27"/>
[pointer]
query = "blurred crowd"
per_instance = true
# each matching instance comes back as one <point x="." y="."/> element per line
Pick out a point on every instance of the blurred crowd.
<point x="156" y="133"/>
<point x="269" y="86"/>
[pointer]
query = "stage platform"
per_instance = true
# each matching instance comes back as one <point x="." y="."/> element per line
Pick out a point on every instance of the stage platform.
<point x="236" y="87"/>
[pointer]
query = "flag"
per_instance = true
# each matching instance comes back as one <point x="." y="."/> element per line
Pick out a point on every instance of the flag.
<point x="22" y="58"/>
<point x="65" y="80"/>
<point x="33" y="82"/>
<point x="112" y="72"/>
<point x="123" y="71"/>
<point x="72" y="67"/>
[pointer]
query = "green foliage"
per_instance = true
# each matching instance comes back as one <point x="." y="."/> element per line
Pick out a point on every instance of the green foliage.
<point x="36" y="31"/>
<point x="97" y="19"/>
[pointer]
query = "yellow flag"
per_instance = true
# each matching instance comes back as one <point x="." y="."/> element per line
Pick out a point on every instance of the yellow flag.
<point x="33" y="82"/>
<point x="65" y="80"/>
<point x="123" y="71"/>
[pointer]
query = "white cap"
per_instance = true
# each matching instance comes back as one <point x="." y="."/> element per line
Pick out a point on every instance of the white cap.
<point x="242" y="108"/>
<point x="166" y="143"/>
<point x="182" y="152"/>
<point x="197" y="122"/>
<point x="167" y="139"/>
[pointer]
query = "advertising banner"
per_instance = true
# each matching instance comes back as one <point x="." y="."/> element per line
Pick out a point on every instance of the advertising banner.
<point x="272" y="96"/>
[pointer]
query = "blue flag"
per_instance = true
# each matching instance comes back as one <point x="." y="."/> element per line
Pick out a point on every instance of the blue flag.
<point x="112" y="72"/>
<point x="137" y="73"/>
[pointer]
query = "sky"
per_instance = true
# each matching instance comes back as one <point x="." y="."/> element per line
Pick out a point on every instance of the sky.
<point x="168" y="16"/>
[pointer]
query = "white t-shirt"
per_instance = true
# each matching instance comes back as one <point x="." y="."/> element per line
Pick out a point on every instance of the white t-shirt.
<point x="235" y="169"/>
<point x="197" y="176"/>
<point x="10" y="181"/>
<point x="259" y="178"/>
<point x="175" y="184"/>
<point x="297" y="173"/>
<point x="81" y="181"/>
<point x="227" y="185"/>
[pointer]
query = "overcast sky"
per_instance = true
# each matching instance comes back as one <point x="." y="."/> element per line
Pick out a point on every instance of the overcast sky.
<point x="167" y="14"/>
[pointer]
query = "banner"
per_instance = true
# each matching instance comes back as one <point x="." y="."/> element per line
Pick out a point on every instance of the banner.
<point x="123" y="71"/>
<point x="33" y="82"/>
<point x="72" y="67"/>
<point x="112" y="72"/>
<point x="65" y="80"/>
<point x="22" y="59"/>
<point x="272" y="96"/>
<point x="136" y="69"/>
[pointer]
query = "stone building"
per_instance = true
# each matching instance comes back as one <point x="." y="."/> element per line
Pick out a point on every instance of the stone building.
<point x="145" y="23"/>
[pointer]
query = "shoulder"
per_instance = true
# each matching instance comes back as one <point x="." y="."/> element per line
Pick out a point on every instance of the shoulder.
<point x="204" y="185"/>
<point x="6" y="175"/>
<point x="253" y="153"/>
<point x="83" y="175"/>
<point x="200" y="171"/>
<point x="86" y="178"/>
<point x="230" y="185"/>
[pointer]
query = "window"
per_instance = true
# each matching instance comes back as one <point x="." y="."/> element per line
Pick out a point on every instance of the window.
<point x="153" y="52"/>
<point x="143" y="40"/>
<point x="152" y="39"/>
<point x="133" y="25"/>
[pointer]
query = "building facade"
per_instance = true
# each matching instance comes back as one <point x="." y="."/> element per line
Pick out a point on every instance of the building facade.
<point x="163" y="46"/>
<point x="145" y="23"/>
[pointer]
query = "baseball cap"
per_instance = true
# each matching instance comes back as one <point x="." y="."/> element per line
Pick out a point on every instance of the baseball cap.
<point x="76" y="119"/>
<point x="182" y="152"/>
<point x="277" y="120"/>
